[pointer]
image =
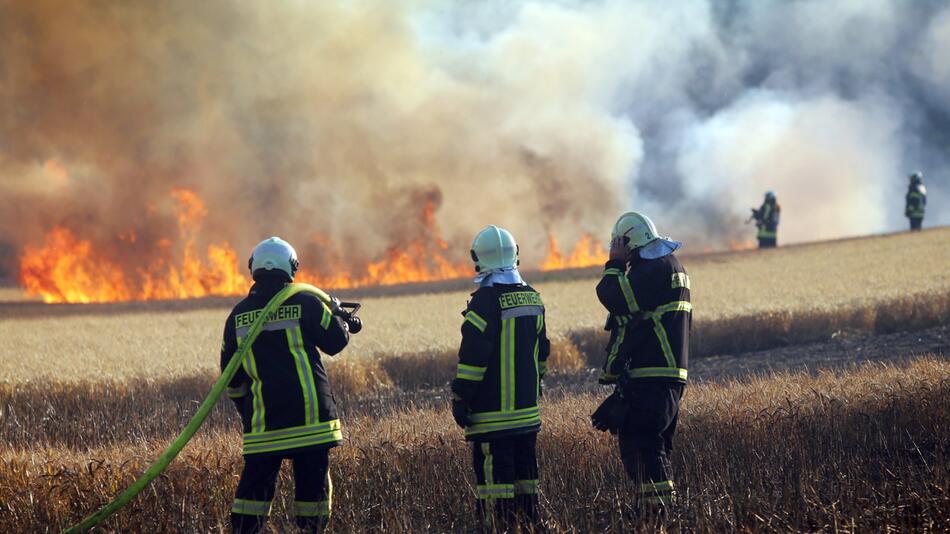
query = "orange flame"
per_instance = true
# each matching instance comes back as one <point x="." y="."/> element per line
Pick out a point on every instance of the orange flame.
<point x="67" y="268"/>
<point x="587" y="252"/>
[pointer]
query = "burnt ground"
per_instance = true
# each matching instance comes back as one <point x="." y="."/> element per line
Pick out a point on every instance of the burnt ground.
<point x="845" y="349"/>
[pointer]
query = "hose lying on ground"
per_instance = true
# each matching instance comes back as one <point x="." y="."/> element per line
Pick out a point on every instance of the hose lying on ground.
<point x="196" y="421"/>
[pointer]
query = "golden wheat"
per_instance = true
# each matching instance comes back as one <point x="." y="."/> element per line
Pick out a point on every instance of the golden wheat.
<point x="860" y="451"/>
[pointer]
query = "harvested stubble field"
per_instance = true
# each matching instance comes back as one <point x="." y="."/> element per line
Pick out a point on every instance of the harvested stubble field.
<point x="88" y="400"/>
<point x="862" y="451"/>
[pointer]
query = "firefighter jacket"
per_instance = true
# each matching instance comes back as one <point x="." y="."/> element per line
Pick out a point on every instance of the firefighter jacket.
<point x="281" y="388"/>
<point x="916" y="202"/>
<point x="649" y="322"/>
<point x="766" y="219"/>
<point x="502" y="357"/>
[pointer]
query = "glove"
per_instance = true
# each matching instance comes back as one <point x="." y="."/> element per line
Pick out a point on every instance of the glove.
<point x="610" y="415"/>
<point x="460" y="413"/>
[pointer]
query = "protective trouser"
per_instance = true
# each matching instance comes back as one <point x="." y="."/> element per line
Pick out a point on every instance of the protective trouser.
<point x="768" y="242"/>
<point x="313" y="491"/>
<point x="646" y="440"/>
<point x="916" y="223"/>
<point x="506" y="470"/>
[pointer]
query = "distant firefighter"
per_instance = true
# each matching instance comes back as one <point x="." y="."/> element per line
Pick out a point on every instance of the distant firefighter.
<point x="502" y="357"/>
<point x="916" y="201"/>
<point x="646" y="290"/>
<point x="766" y="220"/>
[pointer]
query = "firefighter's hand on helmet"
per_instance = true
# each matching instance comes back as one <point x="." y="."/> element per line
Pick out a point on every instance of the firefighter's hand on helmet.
<point x="460" y="412"/>
<point x="618" y="249"/>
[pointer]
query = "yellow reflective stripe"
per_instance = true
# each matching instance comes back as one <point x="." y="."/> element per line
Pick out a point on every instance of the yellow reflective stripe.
<point x="470" y="372"/>
<point x="537" y="349"/>
<point x="680" y="280"/>
<point x="488" y="466"/>
<point x="612" y="271"/>
<point x="628" y="294"/>
<point x="311" y="509"/>
<point x="664" y="342"/>
<point x="250" y="367"/>
<point x="304" y="374"/>
<point x="657" y="372"/>
<point x="511" y="366"/>
<point x="326" y="317"/>
<point x="622" y="320"/>
<point x="238" y="392"/>
<point x="507" y="364"/>
<point x="614" y="351"/>
<point x="540" y="323"/>
<point x="482" y="428"/>
<point x="248" y="507"/>
<point x="496" y="491"/>
<point x="650" y="487"/>
<point x="675" y="306"/>
<point x="285" y="444"/>
<point x="526" y="487"/>
<point x="484" y="417"/>
<point x="293" y="432"/>
<point x="476" y="320"/>
<point x="767" y="233"/>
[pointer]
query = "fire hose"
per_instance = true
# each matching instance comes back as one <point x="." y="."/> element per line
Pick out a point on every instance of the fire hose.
<point x="205" y="409"/>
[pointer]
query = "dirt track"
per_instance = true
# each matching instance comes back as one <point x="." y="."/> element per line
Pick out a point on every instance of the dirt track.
<point x="845" y="349"/>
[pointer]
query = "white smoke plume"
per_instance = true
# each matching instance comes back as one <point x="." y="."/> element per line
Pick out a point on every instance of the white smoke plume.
<point x="337" y="121"/>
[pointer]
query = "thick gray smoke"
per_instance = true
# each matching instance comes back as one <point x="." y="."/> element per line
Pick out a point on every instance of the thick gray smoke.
<point x="337" y="122"/>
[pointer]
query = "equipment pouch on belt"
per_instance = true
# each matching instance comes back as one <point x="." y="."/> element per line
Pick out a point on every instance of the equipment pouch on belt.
<point x="610" y="415"/>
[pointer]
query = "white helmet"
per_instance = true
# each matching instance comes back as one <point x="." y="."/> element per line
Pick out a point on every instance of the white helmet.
<point x="641" y="234"/>
<point x="770" y="195"/>
<point x="638" y="228"/>
<point x="494" y="248"/>
<point x="274" y="253"/>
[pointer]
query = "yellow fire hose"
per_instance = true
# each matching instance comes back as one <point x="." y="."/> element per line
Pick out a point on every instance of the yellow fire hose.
<point x="196" y="421"/>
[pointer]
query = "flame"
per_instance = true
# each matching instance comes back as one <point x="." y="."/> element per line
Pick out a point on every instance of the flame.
<point x="68" y="268"/>
<point x="587" y="252"/>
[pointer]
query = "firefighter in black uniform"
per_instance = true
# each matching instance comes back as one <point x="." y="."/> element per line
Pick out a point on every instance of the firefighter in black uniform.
<point x="502" y="357"/>
<point x="646" y="292"/>
<point x="282" y="393"/>
<point x="766" y="221"/>
<point x="916" y="201"/>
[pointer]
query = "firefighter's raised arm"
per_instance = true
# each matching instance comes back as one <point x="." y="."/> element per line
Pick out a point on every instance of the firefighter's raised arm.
<point x="329" y="330"/>
<point x="614" y="290"/>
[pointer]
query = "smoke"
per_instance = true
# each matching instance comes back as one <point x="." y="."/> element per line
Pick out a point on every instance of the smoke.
<point x="335" y="124"/>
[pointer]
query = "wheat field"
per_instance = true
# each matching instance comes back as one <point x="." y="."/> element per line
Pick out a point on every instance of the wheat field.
<point x="822" y="280"/>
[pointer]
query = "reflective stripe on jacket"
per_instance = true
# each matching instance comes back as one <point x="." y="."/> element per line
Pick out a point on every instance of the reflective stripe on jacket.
<point x="502" y="357"/>
<point x="281" y="388"/>
<point x="650" y="319"/>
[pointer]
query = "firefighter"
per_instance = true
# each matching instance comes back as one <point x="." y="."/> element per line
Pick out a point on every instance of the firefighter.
<point x="916" y="201"/>
<point x="766" y="220"/>
<point x="502" y="358"/>
<point x="646" y="292"/>
<point x="282" y="393"/>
